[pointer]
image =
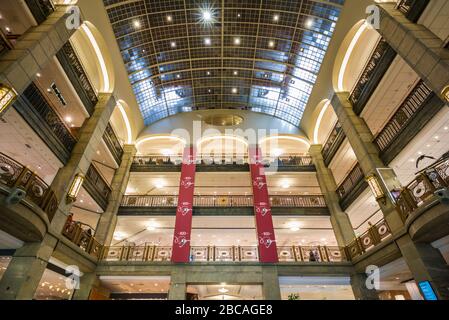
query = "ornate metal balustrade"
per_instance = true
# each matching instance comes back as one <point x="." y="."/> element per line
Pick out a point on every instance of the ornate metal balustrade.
<point x="113" y="143"/>
<point x="220" y="163"/>
<point x="78" y="76"/>
<point x="82" y="236"/>
<point x="368" y="240"/>
<point x="40" y="9"/>
<point x="5" y="45"/>
<point x="333" y="143"/>
<point x="422" y="189"/>
<point x="352" y="186"/>
<point x="378" y="64"/>
<point x="15" y="175"/>
<point x="418" y="108"/>
<point x="97" y="187"/>
<point x="150" y="253"/>
<point x="224" y="201"/>
<point x="412" y="9"/>
<point x="42" y="117"/>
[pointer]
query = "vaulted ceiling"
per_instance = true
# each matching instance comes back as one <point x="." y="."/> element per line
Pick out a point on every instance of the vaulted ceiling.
<point x="258" y="55"/>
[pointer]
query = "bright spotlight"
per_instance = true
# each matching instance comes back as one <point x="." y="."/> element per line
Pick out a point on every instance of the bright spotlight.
<point x="206" y="15"/>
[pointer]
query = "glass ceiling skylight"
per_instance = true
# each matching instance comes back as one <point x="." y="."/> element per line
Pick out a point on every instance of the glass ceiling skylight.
<point x="258" y="55"/>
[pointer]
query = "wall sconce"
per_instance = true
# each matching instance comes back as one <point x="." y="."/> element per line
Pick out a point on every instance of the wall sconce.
<point x="445" y="93"/>
<point x="375" y="187"/>
<point x="75" y="188"/>
<point x="7" y="96"/>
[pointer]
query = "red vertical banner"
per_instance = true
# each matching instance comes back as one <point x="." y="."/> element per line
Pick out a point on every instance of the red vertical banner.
<point x="183" y="224"/>
<point x="262" y="208"/>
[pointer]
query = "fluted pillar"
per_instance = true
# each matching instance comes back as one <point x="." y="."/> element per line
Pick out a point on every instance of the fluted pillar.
<point x="344" y="232"/>
<point x="108" y="220"/>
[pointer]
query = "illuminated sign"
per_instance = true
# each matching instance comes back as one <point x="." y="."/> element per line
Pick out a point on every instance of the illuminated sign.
<point x="427" y="291"/>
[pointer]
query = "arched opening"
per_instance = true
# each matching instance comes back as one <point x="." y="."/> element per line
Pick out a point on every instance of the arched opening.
<point x="92" y="50"/>
<point x="352" y="55"/>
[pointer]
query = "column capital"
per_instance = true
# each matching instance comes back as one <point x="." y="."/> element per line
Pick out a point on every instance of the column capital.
<point x="130" y="149"/>
<point x="423" y="51"/>
<point x="315" y="150"/>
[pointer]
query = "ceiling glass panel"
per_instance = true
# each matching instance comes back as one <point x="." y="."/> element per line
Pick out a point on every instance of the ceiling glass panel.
<point x="258" y="55"/>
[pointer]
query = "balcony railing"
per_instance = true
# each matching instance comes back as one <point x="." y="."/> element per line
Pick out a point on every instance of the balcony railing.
<point x="5" y="45"/>
<point x="97" y="187"/>
<point x="78" y="76"/>
<point x="42" y="117"/>
<point x="333" y="143"/>
<point x="422" y="189"/>
<point x="418" y="108"/>
<point x="412" y="9"/>
<point x="223" y="162"/>
<point x="16" y="175"/>
<point x="368" y="240"/>
<point x="150" y="253"/>
<point x="381" y="59"/>
<point x="82" y="235"/>
<point x="113" y="143"/>
<point x="40" y="9"/>
<point x="235" y="201"/>
<point x="352" y="186"/>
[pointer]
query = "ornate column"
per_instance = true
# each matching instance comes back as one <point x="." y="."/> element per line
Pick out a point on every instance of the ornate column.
<point x="26" y="268"/>
<point x="108" y="220"/>
<point x="341" y="224"/>
<point x="418" y="46"/>
<point x="24" y="272"/>
<point x="360" y="289"/>
<point x="90" y="137"/>
<point x="34" y="50"/>
<point x="425" y="263"/>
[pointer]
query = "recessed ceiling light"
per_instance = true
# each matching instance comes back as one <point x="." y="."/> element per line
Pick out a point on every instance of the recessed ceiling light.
<point x="137" y="24"/>
<point x="277" y="152"/>
<point x="207" y="41"/>
<point x="207" y="15"/>
<point x="234" y="90"/>
<point x="446" y="128"/>
<point x="169" y="18"/>
<point x="38" y="75"/>
<point x="271" y="44"/>
<point x="285" y="185"/>
<point x="68" y="119"/>
<point x="237" y="41"/>
<point x="239" y="15"/>
<point x="309" y="23"/>
<point x="437" y="137"/>
<point x="208" y="73"/>
<point x="151" y="228"/>
<point x="235" y="72"/>
<point x="8" y="29"/>
<point x="159" y="185"/>
<point x="276" y="18"/>
<point x="178" y="76"/>
<point x="173" y="44"/>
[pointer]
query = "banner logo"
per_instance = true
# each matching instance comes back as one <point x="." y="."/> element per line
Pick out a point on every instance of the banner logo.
<point x="266" y="240"/>
<point x="259" y="183"/>
<point x="187" y="182"/>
